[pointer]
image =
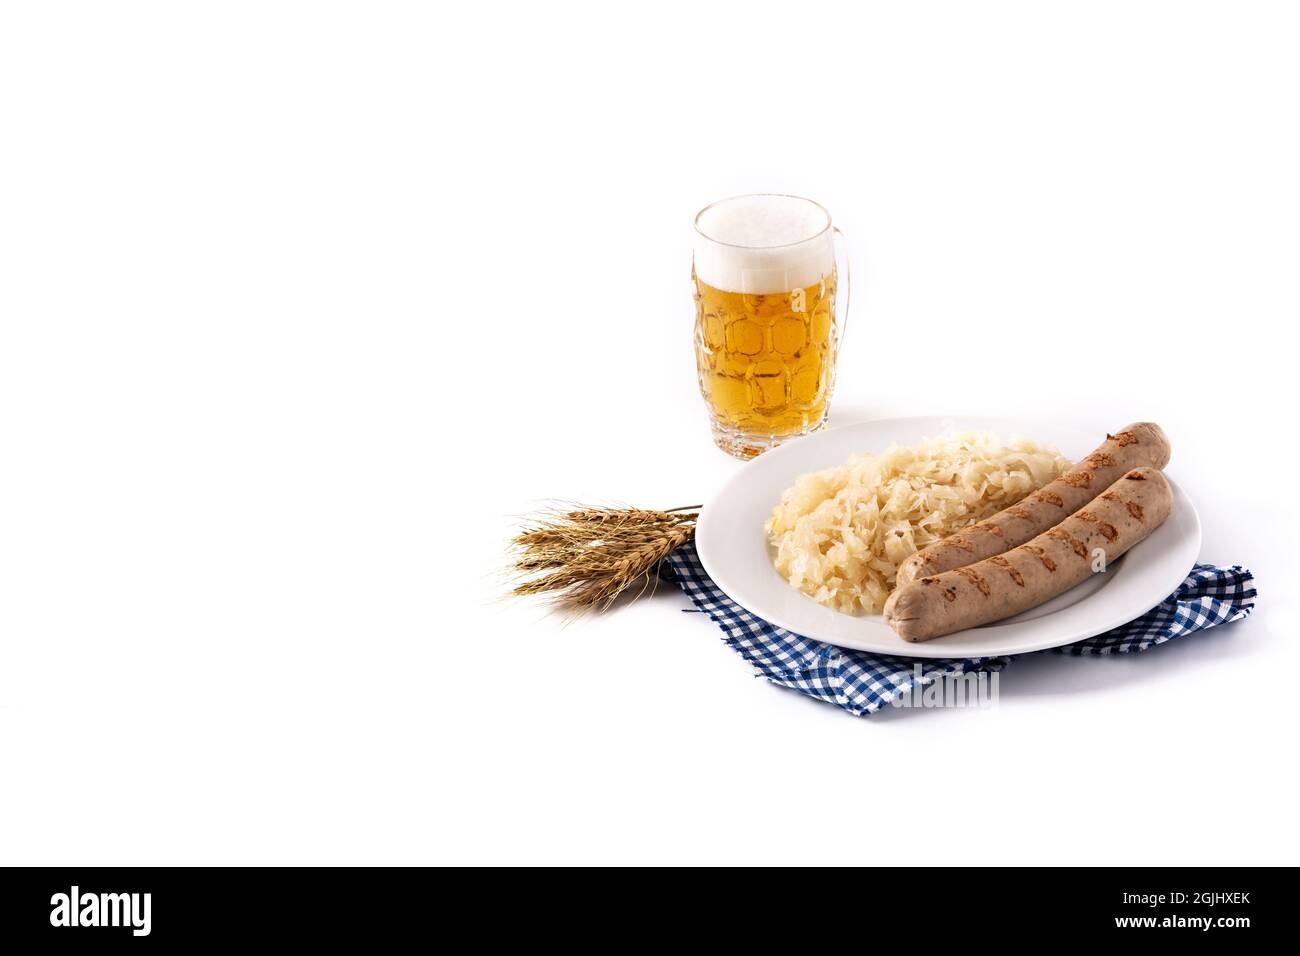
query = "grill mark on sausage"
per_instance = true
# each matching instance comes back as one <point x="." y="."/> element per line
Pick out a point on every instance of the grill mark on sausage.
<point x="1135" y="476"/>
<point x="1107" y="530"/>
<point x="1018" y="511"/>
<point x="1041" y="555"/>
<point x="1051" y="497"/>
<point x="961" y="542"/>
<point x="1061" y="534"/>
<point x="1111" y="496"/>
<point x="976" y="578"/>
<point x="1099" y="459"/>
<point x="990" y="528"/>
<point x="1010" y="568"/>
<point x="950" y="594"/>
<point x="1078" y="479"/>
<point x="1134" y="509"/>
<point x="1123" y="438"/>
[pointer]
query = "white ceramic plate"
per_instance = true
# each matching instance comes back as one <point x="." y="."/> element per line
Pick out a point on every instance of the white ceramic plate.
<point x="735" y="552"/>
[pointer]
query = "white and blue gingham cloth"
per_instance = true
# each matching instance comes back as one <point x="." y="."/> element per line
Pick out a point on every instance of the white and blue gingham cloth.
<point x="862" y="683"/>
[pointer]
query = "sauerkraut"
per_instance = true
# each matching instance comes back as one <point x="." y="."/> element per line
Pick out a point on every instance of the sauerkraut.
<point x="840" y="534"/>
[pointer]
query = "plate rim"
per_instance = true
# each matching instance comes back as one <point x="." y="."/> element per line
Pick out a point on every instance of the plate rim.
<point x="1183" y="508"/>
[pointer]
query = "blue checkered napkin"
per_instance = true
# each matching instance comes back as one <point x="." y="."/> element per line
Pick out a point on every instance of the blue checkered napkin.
<point x="862" y="683"/>
<point x="1209" y="596"/>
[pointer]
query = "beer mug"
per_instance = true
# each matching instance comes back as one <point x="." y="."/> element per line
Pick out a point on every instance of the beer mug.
<point x="767" y="329"/>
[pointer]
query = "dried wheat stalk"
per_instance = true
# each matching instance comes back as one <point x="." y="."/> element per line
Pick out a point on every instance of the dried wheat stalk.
<point x="582" y="559"/>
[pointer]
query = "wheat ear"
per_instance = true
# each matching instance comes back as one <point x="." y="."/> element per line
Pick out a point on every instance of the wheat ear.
<point x="583" y="558"/>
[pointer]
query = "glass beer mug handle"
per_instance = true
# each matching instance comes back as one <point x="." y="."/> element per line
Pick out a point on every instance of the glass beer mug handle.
<point x="842" y="319"/>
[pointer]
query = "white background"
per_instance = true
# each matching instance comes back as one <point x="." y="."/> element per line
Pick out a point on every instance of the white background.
<point x="301" y="302"/>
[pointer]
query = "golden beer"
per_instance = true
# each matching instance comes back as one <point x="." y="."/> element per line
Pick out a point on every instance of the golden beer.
<point x="766" y="324"/>
<point x="766" y="362"/>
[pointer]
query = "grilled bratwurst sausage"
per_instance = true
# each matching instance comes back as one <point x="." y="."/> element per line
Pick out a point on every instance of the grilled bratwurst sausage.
<point x="1140" y="445"/>
<point x="1033" y="573"/>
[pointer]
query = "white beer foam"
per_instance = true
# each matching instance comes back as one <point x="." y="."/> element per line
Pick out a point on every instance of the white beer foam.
<point x="763" y="244"/>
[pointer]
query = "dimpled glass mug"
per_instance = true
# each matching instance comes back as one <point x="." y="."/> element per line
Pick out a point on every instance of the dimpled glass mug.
<point x="767" y="329"/>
